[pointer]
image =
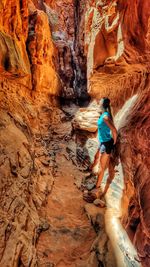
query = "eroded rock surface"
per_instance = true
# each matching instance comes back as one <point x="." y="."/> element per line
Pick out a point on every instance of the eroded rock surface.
<point x="117" y="49"/>
<point x="26" y="177"/>
<point x="86" y="118"/>
<point x="13" y="36"/>
<point x="69" y="239"/>
<point x="42" y="53"/>
<point x="67" y="24"/>
<point x="135" y="151"/>
<point x="25" y="182"/>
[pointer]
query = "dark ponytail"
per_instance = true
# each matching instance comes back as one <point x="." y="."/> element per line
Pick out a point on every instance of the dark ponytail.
<point x="109" y="111"/>
<point x="106" y="106"/>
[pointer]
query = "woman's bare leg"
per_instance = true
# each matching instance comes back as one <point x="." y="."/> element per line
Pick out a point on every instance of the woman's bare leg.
<point x="104" y="161"/>
<point x="96" y="160"/>
<point x="111" y="172"/>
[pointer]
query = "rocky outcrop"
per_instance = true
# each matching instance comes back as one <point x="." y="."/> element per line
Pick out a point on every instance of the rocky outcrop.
<point x="86" y="118"/>
<point x="42" y="53"/>
<point x="101" y="245"/>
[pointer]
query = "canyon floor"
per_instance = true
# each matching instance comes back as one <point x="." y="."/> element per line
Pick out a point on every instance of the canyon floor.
<point x="70" y="236"/>
<point x="74" y="235"/>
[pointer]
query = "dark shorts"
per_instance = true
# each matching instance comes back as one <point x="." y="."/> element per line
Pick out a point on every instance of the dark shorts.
<point x="107" y="147"/>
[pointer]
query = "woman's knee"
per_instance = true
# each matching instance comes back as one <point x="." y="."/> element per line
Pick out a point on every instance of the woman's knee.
<point x="96" y="158"/>
<point x="101" y="168"/>
<point x="104" y="161"/>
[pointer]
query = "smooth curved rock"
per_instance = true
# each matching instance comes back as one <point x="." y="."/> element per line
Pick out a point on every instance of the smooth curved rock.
<point x="86" y="118"/>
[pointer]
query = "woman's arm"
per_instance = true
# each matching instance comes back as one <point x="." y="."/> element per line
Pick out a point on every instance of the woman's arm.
<point x="112" y="127"/>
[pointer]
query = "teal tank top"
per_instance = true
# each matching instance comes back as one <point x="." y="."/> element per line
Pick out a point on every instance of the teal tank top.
<point x="104" y="132"/>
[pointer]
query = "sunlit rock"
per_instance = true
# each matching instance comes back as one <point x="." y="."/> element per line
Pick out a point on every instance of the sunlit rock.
<point x="42" y="53"/>
<point x="86" y="118"/>
<point x="13" y="35"/>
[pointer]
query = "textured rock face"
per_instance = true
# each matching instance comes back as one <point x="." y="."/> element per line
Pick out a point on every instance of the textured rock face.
<point x="67" y="25"/>
<point x="117" y="46"/>
<point x="135" y="153"/>
<point x="38" y="74"/>
<point x="13" y="35"/>
<point x="117" y="50"/>
<point x="25" y="175"/>
<point x="24" y="182"/>
<point x="42" y="53"/>
<point x="86" y="118"/>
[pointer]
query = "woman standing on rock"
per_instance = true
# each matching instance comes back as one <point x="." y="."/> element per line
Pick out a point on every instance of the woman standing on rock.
<point x="107" y="136"/>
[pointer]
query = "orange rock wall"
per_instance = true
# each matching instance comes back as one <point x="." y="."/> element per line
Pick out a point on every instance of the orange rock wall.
<point x="117" y="47"/>
<point x="36" y="63"/>
<point x="42" y="53"/>
<point x="13" y="36"/>
<point x="27" y="96"/>
<point x="135" y="153"/>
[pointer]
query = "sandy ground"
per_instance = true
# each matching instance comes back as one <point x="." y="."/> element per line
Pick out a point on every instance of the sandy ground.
<point x="70" y="235"/>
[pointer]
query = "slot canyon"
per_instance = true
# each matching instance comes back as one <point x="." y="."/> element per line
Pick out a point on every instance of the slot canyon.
<point x="58" y="59"/>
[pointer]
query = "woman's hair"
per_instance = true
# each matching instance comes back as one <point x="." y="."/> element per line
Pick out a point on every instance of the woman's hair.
<point x="106" y="106"/>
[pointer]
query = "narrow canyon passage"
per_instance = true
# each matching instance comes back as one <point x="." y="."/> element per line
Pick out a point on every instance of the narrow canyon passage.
<point x="58" y="59"/>
<point x="70" y="236"/>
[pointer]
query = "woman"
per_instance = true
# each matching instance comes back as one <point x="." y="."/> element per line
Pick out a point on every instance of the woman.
<point x="107" y="136"/>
